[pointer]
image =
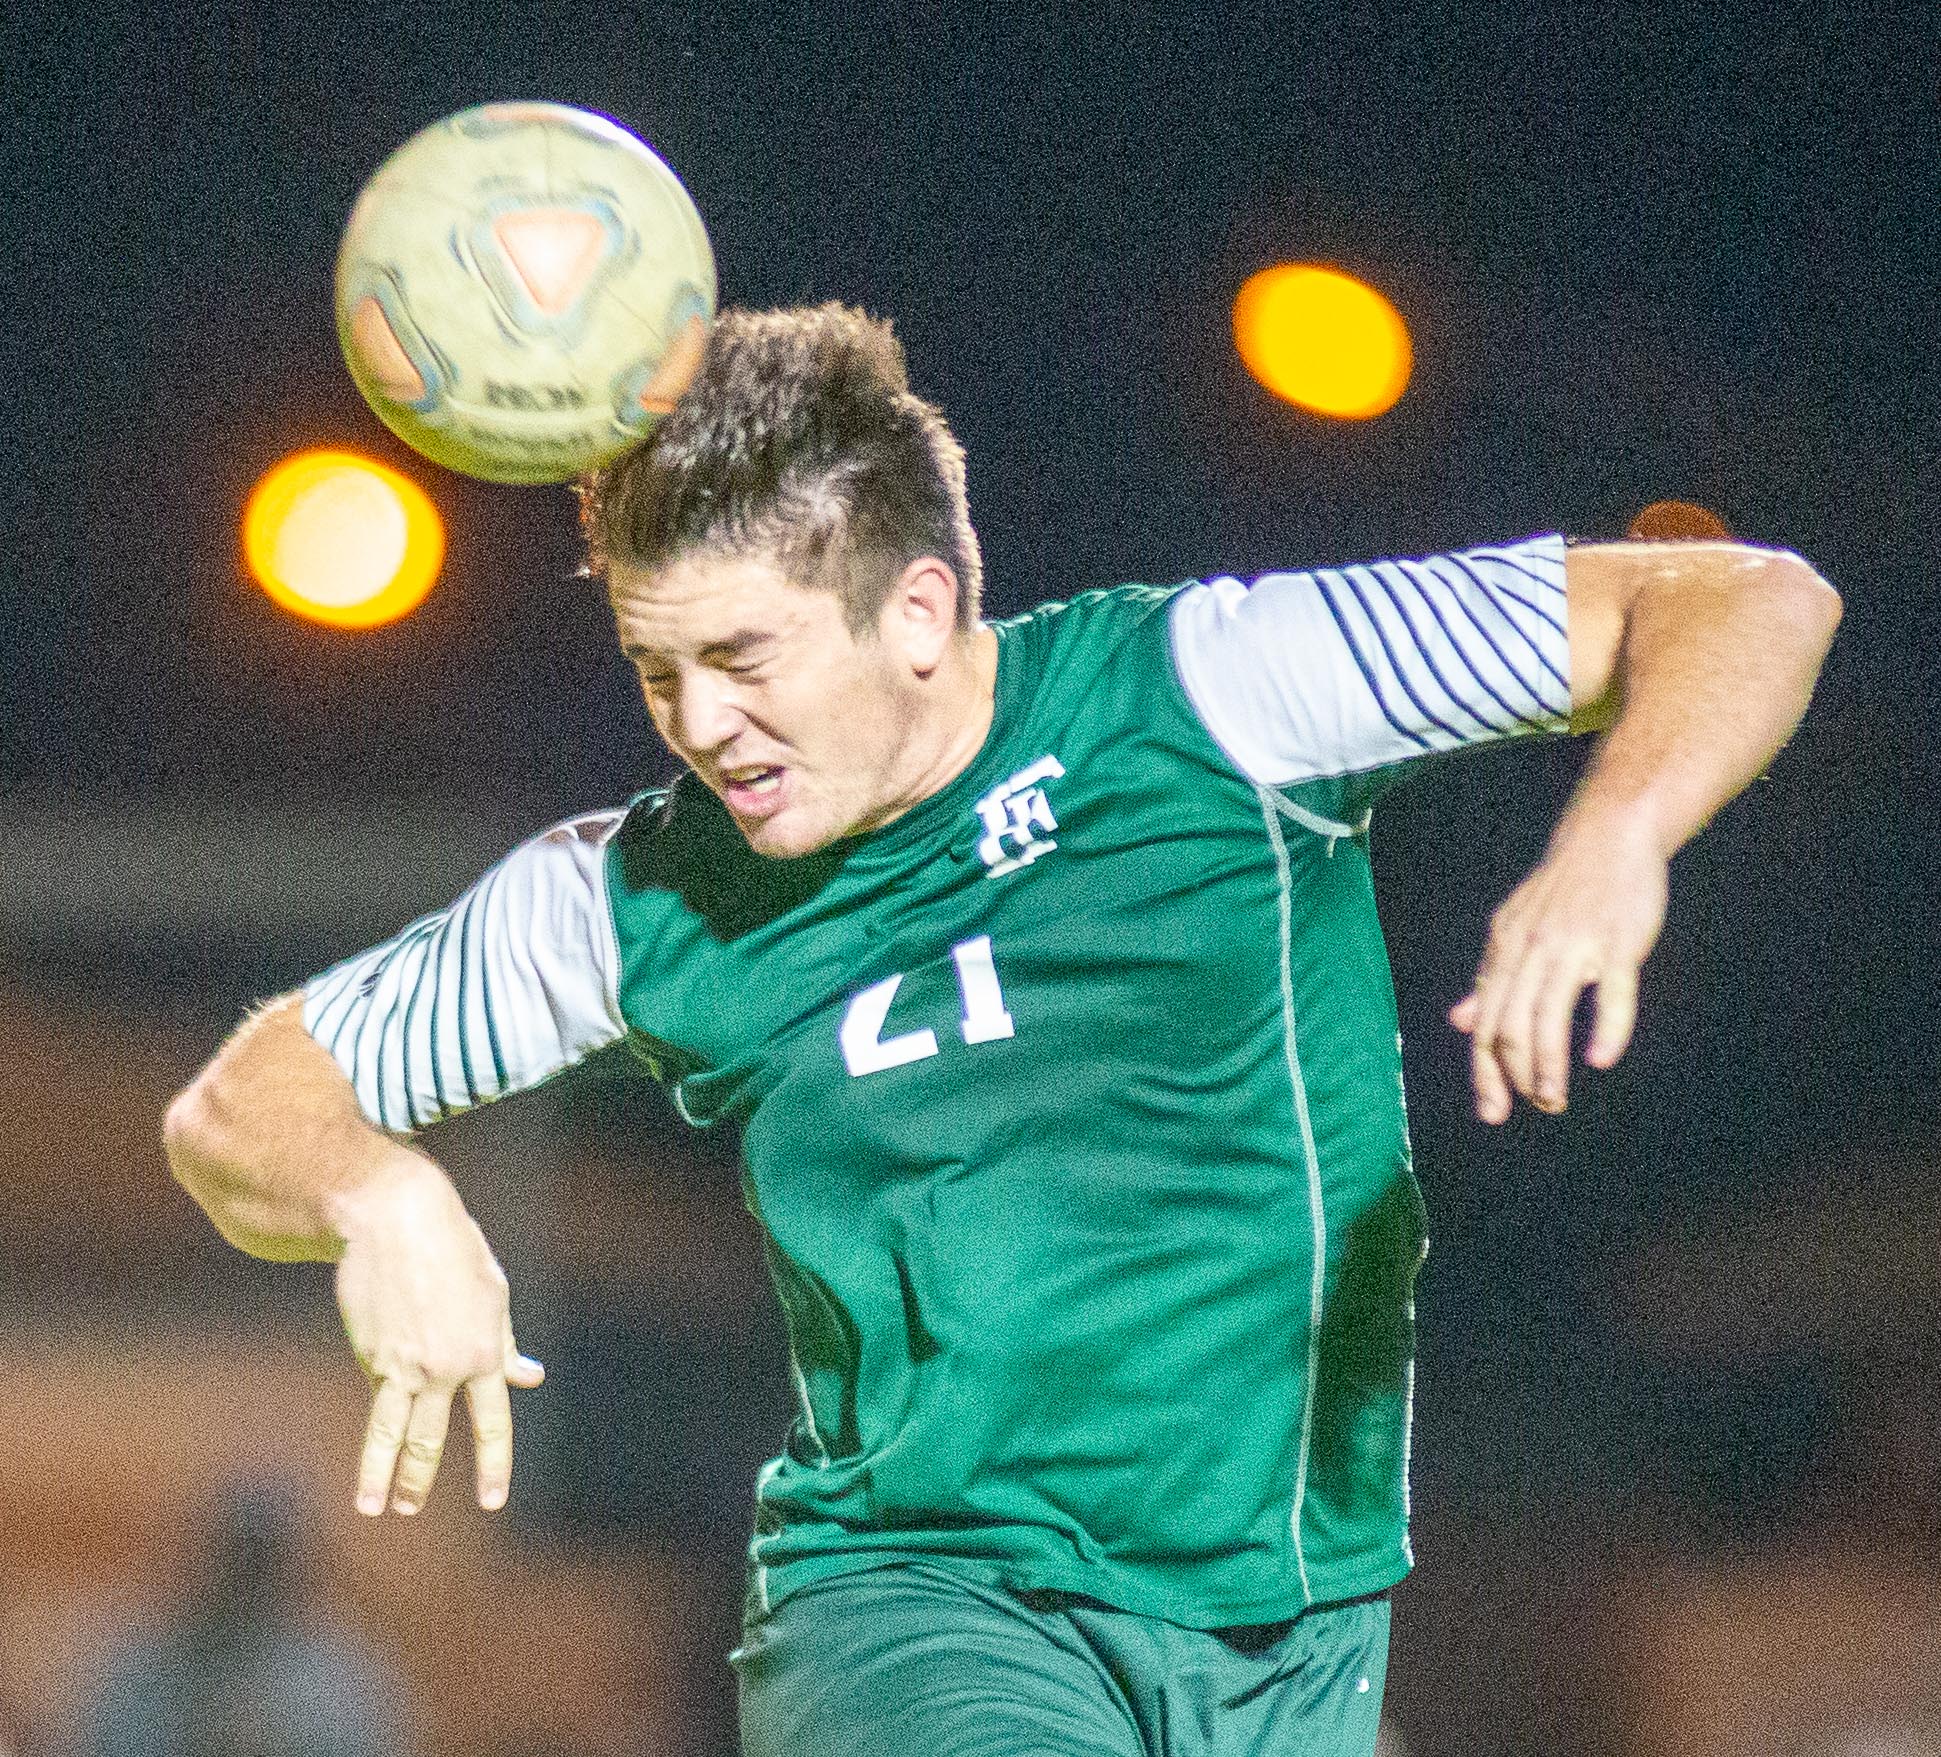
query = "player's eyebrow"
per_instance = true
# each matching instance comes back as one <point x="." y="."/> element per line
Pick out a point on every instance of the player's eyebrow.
<point x="734" y="646"/>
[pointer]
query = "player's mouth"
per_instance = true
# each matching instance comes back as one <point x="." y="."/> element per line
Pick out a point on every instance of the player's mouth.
<point x="754" y="791"/>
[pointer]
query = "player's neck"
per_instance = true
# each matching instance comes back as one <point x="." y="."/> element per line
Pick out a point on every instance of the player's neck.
<point x="952" y="724"/>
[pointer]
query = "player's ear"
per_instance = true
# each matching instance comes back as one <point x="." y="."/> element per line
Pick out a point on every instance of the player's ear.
<point x="920" y="614"/>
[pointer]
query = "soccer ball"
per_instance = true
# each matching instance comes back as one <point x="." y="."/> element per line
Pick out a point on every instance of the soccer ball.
<point x="523" y="290"/>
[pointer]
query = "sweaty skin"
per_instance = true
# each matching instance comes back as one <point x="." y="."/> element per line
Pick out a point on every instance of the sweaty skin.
<point x="1698" y="657"/>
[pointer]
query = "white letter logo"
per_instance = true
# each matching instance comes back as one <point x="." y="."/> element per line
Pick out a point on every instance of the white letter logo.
<point x="1015" y="812"/>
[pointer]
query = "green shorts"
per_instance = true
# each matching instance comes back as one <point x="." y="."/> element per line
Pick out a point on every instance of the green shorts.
<point x="913" y="1661"/>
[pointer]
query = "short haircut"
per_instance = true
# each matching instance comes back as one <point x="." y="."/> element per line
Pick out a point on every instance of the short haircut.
<point x="799" y="442"/>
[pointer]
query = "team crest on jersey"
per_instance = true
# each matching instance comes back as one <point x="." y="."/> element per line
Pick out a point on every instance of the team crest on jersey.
<point x="1017" y="818"/>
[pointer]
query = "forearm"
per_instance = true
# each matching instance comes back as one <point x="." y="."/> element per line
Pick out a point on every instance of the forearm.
<point x="1716" y="667"/>
<point x="1700" y="658"/>
<point x="270" y="1141"/>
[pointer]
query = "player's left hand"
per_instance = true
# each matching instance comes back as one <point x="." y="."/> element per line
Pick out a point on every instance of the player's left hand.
<point x="1587" y="917"/>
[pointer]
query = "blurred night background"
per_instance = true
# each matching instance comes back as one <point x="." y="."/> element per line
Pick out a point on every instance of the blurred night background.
<point x="1677" y="1486"/>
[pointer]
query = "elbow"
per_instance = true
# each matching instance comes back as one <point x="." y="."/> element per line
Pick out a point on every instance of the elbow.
<point x="190" y="1137"/>
<point x="1831" y="607"/>
<point x="205" y="1153"/>
<point x="1812" y="602"/>
<point x="210" y="1164"/>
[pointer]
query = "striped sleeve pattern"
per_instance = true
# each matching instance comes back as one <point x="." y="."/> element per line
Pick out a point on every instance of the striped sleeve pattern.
<point x="1341" y="670"/>
<point x="516" y="981"/>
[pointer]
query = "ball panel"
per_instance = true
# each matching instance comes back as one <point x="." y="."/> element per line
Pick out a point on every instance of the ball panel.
<point x="554" y="252"/>
<point x="570" y="248"/>
<point x="678" y="369"/>
<point x="377" y="345"/>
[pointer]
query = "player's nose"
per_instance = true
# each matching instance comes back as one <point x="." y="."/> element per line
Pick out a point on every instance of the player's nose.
<point x="705" y="715"/>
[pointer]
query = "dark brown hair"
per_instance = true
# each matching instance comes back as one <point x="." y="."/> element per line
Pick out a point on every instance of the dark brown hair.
<point x="801" y="442"/>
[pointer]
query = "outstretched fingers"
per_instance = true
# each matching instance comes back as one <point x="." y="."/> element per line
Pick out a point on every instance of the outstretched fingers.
<point x="491" y="1406"/>
<point x="490" y="1399"/>
<point x="1496" y="1054"/>
<point x="1617" y="1016"/>
<point x="404" y="1440"/>
<point x="1518" y="1020"/>
<point x="1486" y="1073"/>
<point x="383" y="1439"/>
<point x="423" y="1449"/>
<point x="1554" y="1008"/>
<point x="1587" y="917"/>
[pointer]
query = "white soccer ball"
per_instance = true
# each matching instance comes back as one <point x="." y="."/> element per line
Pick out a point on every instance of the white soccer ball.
<point x="523" y="289"/>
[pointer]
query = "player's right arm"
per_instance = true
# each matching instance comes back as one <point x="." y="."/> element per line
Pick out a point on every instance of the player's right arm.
<point x="293" y="1138"/>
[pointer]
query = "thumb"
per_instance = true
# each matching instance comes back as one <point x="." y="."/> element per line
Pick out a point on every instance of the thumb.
<point x="1463" y="1014"/>
<point x="521" y="1369"/>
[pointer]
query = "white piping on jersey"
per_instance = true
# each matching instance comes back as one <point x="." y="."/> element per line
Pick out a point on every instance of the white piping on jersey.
<point x="1331" y="829"/>
<point x="679" y="1096"/>
<point x="808" y="1412"/>
<point x="1408" y="1444"/>
<point x="1317" y="1210"/>
<point x="772" y="1469"/>
<point x="763" y="1478"/>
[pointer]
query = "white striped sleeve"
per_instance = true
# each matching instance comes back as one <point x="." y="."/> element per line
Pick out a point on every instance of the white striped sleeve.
<point x="1341" y="670"/>
<point x="514" y="982"/>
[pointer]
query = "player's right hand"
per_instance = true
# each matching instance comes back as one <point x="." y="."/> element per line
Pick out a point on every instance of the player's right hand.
<point x="426" y="1307"/>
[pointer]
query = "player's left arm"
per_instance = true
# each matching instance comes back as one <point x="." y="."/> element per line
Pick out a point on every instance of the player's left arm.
<point x="1696" y="660"/>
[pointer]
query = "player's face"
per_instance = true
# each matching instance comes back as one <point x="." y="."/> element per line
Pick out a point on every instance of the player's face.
<point x="761" y="688"/>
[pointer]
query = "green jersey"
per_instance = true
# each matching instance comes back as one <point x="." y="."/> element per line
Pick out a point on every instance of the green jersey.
<point x="1071" y="1100"/>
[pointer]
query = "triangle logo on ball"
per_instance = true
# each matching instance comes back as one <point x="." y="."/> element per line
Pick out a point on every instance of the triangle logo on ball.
<point x="554" y="254"/>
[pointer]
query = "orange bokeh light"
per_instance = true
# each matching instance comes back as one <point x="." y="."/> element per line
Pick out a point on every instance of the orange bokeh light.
<point x="1322" y="339"/>
<point x="339" y="539"/>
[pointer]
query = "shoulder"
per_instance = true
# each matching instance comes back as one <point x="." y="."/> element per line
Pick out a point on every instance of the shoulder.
<point x="1104" y="614"/>
<point x="1351" y="668"/>
<point x="1067" y="643"/>
<point x="1368" y="589"/>
<point x="576" y="844"/>
<point x="551" y="878"/>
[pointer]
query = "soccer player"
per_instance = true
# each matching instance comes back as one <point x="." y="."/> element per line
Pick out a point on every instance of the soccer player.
<point x="1038" y="964"/>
